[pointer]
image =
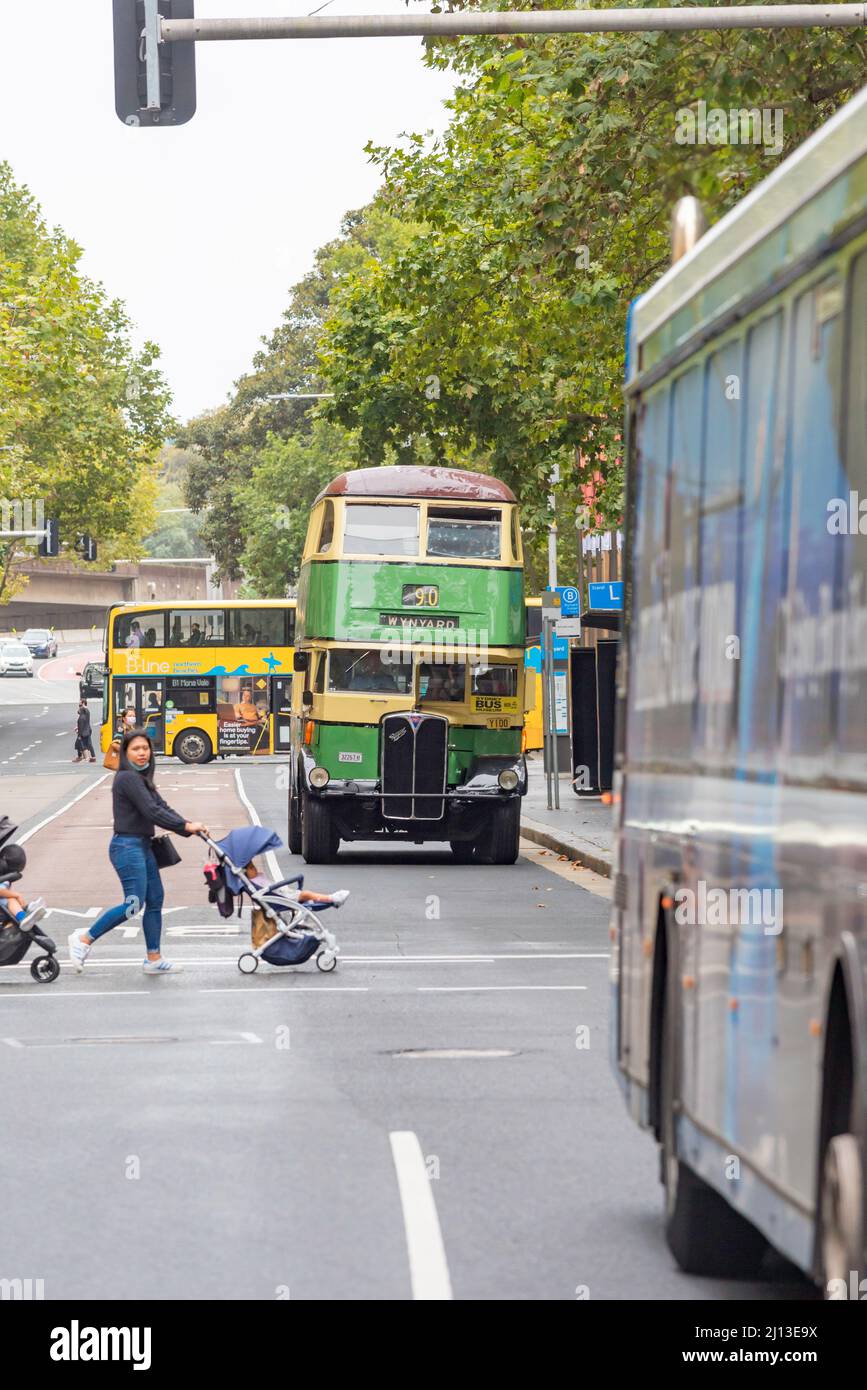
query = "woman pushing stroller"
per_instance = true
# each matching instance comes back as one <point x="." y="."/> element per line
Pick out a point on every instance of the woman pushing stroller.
<point x="137" y="809"/>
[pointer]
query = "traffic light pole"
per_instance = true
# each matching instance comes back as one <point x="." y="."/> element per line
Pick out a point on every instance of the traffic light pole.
<point x="524" y="22"/>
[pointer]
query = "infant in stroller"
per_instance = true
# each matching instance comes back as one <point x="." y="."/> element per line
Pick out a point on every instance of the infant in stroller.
<point x="19" y="919"/>
<point x="284" y="926"/>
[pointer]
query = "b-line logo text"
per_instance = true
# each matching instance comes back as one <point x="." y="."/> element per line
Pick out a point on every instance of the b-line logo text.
<point x="77" y="1343"/>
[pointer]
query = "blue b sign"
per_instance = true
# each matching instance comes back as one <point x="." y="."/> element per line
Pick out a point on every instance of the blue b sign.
<point x="606" y="596"/>
<point x="570" y="601"/>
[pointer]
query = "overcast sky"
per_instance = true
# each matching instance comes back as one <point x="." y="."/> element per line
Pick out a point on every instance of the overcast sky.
<point x="203" y="229"/>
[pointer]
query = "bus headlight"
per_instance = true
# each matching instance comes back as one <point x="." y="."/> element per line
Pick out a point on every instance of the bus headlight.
<point x="508" y="780"/>
<point x="319" y="778"/>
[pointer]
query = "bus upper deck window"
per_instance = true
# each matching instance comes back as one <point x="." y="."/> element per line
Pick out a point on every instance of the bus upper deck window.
<point x="326" y="531"/>
<point x="139" y="630"/>
<point x="257" y="627"/>
<point x="380" y="530"/>
<point x="197" y="627"/>
<point x="470" y="534"/>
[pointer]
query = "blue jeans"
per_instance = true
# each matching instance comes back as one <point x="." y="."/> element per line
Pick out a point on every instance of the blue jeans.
<point x="134" y="863"/>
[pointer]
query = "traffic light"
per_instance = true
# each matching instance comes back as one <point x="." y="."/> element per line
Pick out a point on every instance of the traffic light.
<point x="177" y="65"/>
<point x="86" y="547"/>
<point x="50" y="543"/>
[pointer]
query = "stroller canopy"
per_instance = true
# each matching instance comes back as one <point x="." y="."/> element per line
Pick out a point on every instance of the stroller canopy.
<point x="243" y="845"/>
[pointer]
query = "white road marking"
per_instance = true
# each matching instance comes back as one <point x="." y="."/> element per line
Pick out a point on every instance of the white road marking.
<point x="295" y="989"/>
<point x="12" y="1042"/>
<point x="428" y="1268"/>
<point x="270" y="856"/>
<point x="22" y="839"/>
<point x="79" y="994"/>
<point x="479" y="989"/>
<point x="236" y="1042"/>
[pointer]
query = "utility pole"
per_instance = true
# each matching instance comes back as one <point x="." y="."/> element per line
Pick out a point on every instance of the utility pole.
<point x="155" y="40"/>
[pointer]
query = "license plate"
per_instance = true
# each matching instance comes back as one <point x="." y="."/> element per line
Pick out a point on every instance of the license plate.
<point x="498" y="723"/>
<point x="420" y="596"/>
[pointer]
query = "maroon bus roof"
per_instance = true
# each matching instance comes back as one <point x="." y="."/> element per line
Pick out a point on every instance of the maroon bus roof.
<point x="418" y="480"/>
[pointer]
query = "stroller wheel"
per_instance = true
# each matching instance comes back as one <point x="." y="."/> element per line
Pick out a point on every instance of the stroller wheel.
<point x="248" y="963"/>
<point x="326" y="961"/>
<point x="45" y="969"/>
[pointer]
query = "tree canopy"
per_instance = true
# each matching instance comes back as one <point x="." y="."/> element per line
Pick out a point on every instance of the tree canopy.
<point x="474" y="314"/>
<point x="82" y="412"/>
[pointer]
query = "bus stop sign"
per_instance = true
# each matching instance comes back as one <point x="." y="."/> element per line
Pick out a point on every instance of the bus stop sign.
<point x="605" y="596"/>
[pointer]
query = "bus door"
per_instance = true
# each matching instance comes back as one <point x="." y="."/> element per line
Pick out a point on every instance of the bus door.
<point x="151" y="711"/>
<point x="282" y="709"/>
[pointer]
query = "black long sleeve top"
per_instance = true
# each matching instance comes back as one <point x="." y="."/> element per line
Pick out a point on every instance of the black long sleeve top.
<point x="138" y="807"/>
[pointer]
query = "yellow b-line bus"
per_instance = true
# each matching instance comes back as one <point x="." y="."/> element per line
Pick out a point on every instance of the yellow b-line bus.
<point x="204" y="678"/>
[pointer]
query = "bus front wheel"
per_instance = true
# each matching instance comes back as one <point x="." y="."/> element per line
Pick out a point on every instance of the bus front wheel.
<point x="193" y="746"/>
<point x="293" y="836"/>
<point x="504" y="835"/>
<point x="319" y="838"/>
<point x="705" y="1234"/>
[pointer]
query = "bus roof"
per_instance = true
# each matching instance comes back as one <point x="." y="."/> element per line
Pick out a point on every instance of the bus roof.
<point x="799" y="206"/>
<point x="419" y="480"/>
<point x="205" y="603"/>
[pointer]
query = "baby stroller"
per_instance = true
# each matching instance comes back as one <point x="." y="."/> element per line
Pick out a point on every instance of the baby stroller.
<point x="15" y="941"/>
<point x="285" y="932"/>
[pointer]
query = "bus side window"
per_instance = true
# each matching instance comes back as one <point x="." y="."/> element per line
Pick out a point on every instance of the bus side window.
<point x="326" y="530"/>
<point x="815" y="458"/>
<point x="290" y="627"/>
<point x="319" y="682"/>
<point x="851" y="750"/>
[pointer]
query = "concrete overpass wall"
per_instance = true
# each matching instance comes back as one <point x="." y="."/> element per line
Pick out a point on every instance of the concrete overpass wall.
<point x="67" y="596"/>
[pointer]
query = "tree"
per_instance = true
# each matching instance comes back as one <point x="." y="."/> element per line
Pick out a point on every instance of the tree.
<point x="494" y="337"/>
<point x="242" y="439"/>
<point x="286" y="477"/>
<point x="82" y="414"/>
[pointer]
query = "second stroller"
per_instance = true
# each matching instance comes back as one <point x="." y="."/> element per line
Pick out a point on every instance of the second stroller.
<point x="285" y="931"/>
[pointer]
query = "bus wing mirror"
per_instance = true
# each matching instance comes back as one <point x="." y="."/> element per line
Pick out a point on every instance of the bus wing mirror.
<point x="307" y="698"/>
<point x="301" y="661"/>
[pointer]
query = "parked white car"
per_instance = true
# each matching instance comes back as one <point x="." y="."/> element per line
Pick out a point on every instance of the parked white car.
<point x="15" y="660"/>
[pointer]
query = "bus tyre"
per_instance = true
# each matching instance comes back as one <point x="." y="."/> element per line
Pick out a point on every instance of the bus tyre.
<point x="705" y="1235"/>
<point x="505" y="833"/>
<point x="319" y="838"/>
<point x="463" y="851"/>
<point x="842" y="1216"/>
<point x="193" y="746"/>
<point x="293" y="836"/>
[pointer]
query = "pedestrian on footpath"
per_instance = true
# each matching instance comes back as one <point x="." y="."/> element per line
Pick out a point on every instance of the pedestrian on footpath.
<point x="138" y="808"/>
<point x="84" y="739"/>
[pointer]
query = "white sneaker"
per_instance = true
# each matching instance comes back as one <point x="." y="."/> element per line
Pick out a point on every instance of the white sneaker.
<point x="339" y="898"/>
<point x="78" y="950"/>
<point x="35" y="912"/>
<point x="161" y="967"/>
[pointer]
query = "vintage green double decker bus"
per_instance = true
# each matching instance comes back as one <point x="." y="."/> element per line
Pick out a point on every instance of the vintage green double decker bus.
<point x="409" y="695"/>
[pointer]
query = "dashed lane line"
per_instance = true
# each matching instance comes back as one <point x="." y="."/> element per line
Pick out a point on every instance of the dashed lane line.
<point x="428" y="1267"/>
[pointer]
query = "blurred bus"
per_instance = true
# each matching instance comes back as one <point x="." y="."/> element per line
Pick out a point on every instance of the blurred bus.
<point x="740" y="887"/>
<point x="204" y="678"/>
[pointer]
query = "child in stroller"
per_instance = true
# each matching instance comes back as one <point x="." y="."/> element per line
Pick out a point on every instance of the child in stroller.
<point x="19" y="919"/>
<point x="284" y="929"/>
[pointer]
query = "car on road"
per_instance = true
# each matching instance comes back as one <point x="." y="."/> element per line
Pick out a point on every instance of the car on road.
<point x="39" y="641"/>
<point x="15" y="660"/>
<point x="92" y="681"/>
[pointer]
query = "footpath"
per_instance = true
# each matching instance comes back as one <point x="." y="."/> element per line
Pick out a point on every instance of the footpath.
<point x="581" y="829"/>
